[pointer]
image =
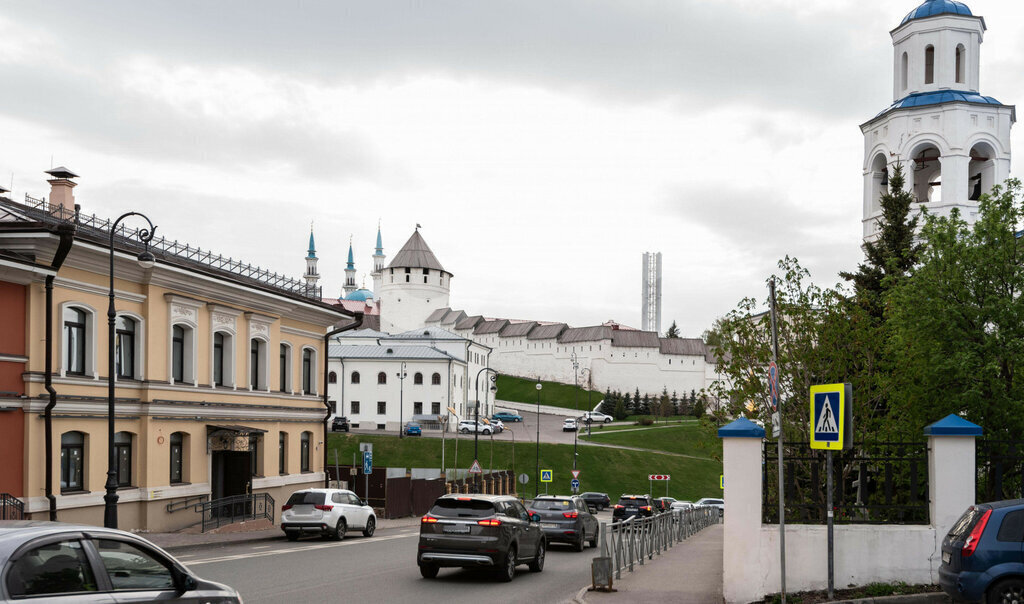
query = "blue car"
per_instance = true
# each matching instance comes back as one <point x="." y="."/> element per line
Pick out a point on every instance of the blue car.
<point x="982" y="559"/>
<point x="413" y="429"/>
<point x="507" y="416"/>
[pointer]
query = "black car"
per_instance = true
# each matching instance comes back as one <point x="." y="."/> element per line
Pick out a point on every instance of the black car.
<point x="340" y="424"/>
<point x="633" y="505"/>
<point x="599" y="500"/>
<point x="566" y="519"/>
<point x="663" y="504"/>
<point x="474" y="531"/>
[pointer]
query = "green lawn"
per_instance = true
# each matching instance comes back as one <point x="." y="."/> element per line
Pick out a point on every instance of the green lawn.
<point x="688" y="439"/>
<point x="552" y="394"/>
<point x="614" y="471"/>
<point x="599" y="428"/>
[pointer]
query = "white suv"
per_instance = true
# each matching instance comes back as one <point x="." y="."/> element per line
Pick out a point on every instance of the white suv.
<point x="467" y="425"/>
<point x="328" y="512"/>
<point x="596" y="416"/>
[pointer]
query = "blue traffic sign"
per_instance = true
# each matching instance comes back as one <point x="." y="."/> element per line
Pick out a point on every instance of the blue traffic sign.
<point x="773" y="384"/>
<point x="367" y="462"/>
<point x="575" y="483"/>
<point x="546" y="476"/>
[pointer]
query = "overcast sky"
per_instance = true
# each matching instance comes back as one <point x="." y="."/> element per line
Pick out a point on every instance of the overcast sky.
<point x="543" y="146"/>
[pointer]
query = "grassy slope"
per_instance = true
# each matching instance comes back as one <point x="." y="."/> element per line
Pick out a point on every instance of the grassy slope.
<point x="614" y="471"/>
<point x="553" y="394"/>
<point x="687" y="439"/>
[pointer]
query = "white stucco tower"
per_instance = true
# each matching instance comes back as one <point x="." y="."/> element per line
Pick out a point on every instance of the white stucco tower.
<point x="953" y="142"/>
<point x="412" y="287"/>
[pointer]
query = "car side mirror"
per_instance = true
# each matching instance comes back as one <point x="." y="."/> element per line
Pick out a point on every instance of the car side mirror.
<point x="534" y="518"/>
<point x="183" y="581"/>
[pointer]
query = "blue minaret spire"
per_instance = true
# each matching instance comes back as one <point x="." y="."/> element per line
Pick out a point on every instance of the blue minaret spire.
<point x="311" y="275"/>
<point x="312" y="245"/>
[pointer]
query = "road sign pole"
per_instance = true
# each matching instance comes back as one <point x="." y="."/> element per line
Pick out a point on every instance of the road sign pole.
<point x="831" y="552"/>
<point x="782" y="434"/>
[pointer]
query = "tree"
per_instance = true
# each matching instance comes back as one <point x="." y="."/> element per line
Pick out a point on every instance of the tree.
<point x="716" y="334"/>
<point x="673" y="331"/>
<point x="620" y="409"/>
<point x="628" y="405"/>
<point x="664" y="404"/>
<point x="675" y="404"/>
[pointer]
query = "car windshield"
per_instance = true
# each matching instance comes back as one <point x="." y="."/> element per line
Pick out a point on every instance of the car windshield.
<point x="632" y="501"/>
<point x="307" y="498"/>
<point x="551" y="504"/>
<point x="462" y="508"/>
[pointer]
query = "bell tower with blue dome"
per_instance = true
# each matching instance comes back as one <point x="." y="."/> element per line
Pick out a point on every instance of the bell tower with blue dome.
<point x="953" y="142"/>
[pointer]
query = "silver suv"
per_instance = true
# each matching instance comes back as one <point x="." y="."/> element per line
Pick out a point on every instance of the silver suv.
<point x="326" y="512"/>
<point x="467" y="425"/>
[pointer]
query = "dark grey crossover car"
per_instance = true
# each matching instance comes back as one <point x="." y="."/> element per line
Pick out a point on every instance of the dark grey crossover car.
<point x="68" y="563"/>
<point x="566" y="519"/>
<point x="470" y="531"/>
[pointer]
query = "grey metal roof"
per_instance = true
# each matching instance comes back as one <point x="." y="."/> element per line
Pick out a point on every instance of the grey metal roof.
<point x="469" y="322"/>
<point x="585" y="334"/>
<point x="546" y="332"/>
<point x="437" y="315"/>
<point x="416" y="254"/>
<point x="635" y="338"/>
<point x="385" y="351"/>
<point x="363" y="332"/>
<point x="517" y="330"/>
<point x="453" y="317"/>
<point x="688" y="346"/>
<point x="491" y="326"/>
<point x="61" y="172"/>
<point x="427" y="333"/>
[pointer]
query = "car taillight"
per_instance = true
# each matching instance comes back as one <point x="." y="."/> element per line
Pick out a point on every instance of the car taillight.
<point x="618" y="506"/>
<point x="570" y="514"/>
<point x="465" y="499"/>
<point x="975" y="536"/>
<point x="647" y="507"/>
<point x="489" y="522"/>
<point x="428" y="520"/>
<point x="286" y="507"/>
<point x="325" y="508"/>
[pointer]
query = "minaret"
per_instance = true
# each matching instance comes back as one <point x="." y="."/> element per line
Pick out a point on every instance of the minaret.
<point x="378" y="262"/>
<point x="311" y="276"/>
<point x="350" y="271"/>
<point x="953" y="143"/>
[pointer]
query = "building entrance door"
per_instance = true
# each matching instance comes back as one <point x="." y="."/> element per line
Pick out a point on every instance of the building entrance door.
<point x="231" y="476"/>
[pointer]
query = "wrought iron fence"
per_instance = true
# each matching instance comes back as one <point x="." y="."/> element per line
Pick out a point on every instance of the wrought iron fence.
<point x="39" y="209"/>
<point x="874" y="483"/>
<point x="1000" y="469"/>
<point x="228" y="510"/>
<point x="11" y="508"/>
<point x="637" y="540"/>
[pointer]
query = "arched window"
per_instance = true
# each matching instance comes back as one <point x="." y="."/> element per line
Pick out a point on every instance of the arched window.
<point x="220" y="340"/>
<point x="981" y="171"/>
<point x="257" y="360"/>
<point x="435" y="379"/>
<point x="123" y="455"/>
<point x="178" y="353"/>
<point x="960" y="51"/>
<point x="124" y="347"/>
<point x="355" y="377"/>
<point x="285" y="370"/>
<point x="382" y="378"/>
<point x="304" y="452"/>
<point x="332" y="378"/>
<point x="927" y="174"/>
<point x="74" y="341"/>
<point x="72" y="461"/>
<point x="307" y="371"/>
<point x="929" y="64"/>
<point x="904" y="68"/>
<point x="177" y="457"/>
<point x="418" y="378"/>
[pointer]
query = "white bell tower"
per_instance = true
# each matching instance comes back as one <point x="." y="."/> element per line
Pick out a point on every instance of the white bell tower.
<point x="953" y="142"/>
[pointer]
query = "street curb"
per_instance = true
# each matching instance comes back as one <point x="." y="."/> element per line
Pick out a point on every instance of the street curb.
<point x="925" y="598"/>
<point x="581" y="596"/>
<point x="186" y="546"/>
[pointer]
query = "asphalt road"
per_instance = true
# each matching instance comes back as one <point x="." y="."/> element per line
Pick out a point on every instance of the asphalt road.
<point x="377" y="569"/>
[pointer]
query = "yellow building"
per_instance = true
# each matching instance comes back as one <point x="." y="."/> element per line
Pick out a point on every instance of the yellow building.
<point x="219" y="370"/>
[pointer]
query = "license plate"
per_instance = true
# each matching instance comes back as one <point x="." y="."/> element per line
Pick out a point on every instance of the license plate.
<point x="455" y="528"/>
<point x="945" y="557"/>
<point x="548" y="525"/>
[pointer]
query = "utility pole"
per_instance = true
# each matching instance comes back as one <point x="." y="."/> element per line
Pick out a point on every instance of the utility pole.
<point x="536" y="483"/>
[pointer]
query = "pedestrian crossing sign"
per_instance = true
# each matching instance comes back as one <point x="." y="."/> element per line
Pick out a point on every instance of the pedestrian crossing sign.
<point x="547" y="476"/>
<point x="831" y="416"/>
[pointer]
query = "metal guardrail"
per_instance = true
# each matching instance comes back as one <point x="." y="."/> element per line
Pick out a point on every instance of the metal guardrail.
<point x="638" y="539"/>
<point x="186" y="503"/>
<point x="11" y="508"/>
<point x="228" y="510"/>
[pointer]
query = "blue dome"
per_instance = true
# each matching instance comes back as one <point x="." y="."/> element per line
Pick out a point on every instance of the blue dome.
<point x="930" y="8"/>
<point x="940" y="97"/>
<point x="361" y="295"/>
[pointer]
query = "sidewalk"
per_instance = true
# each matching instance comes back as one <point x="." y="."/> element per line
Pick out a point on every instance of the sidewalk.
<point x="690" y="571"/>
<point x="245" y="532"/>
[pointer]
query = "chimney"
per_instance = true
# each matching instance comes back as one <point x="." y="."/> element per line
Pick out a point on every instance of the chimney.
<point x="62" y="199"/>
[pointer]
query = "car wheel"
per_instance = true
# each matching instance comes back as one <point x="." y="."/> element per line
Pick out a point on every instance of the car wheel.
<point x="292" y="535"/>
<point x="339" y="530"/>
<point x="578" y="546"/>
<point x="371" y="525"/>
<point x="607" y="420"/>
<point x="1008" y="590"/>
<point x="597" y="535"/>
<point x="428" y="571"/>
<point x="464" y="431"/>
<point x="538" y="561"/>
<point x="507" y="571"/>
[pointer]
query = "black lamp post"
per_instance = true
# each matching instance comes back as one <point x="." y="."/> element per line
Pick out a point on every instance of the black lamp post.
<point x="575" y="404"/>
<point x="401" y="394"/>
<point x="476" y="415"/>
<point x="590" y="408"/>
<point x="536" y="485"/>
<point x="146" y="260"/>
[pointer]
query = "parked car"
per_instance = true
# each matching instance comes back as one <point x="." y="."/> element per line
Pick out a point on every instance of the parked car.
<point x="598" y="500"/>
<point x="507" y="416"/>
<point x="714" y="502"/>
<point x="413" y="429"/>
<point x="566" y="519"/>
<point x="569" y="425"/>
<point x="682" y="505"/>
<point x="982" y="558"/>
<point x="467" y="425"/>
<point x="633" y="505"/>
<point x="55" y="561"/>
<point x="340" y="424"/>
<point x="326" y="512"/>
<point x="472" y="531"/>
<point x="498" y="426"/>
<point x="663" y="504"/>
<point x="597" y="417"/>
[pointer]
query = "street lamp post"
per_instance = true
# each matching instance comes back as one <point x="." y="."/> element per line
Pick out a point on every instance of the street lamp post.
<point x="401" y="392"/>
<point x="476" y="416"/>
<point x="536" y="484"/>
<point x="590" y="408"/>
<point x="510" y="431"/>
<point x="146" y="260"/>
<point x="575" y="404"/>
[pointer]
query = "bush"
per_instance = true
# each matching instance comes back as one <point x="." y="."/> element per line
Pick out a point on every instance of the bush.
<point x="646" y="421"/>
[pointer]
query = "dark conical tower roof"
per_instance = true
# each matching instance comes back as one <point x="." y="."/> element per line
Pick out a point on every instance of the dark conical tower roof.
<point x="416" y="254"/>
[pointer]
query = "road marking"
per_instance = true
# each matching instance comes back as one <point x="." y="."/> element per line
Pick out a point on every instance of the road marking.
<point x="261" y="546"/>
<point x="291" y="550"/>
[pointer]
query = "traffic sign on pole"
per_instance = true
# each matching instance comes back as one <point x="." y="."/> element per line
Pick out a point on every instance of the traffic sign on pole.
<point x="575" y="484"/>
<point x="659" y="477"/>
<point x="475" y="468"/>
<point x="831" y="416"/>
<point x="575" y="473"/>
<point x="367" y="462"/>
<point x="773" y="385"/>
<point x="524" y="478"/>
<point x="547" y="476"/>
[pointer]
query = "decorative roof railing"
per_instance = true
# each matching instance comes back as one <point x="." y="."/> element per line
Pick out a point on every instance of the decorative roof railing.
<point x="41" y="210"/>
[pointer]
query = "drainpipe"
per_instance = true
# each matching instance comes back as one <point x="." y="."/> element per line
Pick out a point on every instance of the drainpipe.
<point x="67" y="237"/>
<point x="327" y="406"/>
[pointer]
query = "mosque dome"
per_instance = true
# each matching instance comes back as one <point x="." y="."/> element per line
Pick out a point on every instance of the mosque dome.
<point x="360" y="295"/>
<point x="930" y="8"/>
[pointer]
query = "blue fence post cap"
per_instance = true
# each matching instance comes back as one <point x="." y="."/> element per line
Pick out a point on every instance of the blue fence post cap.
<point x="741" y="428"/>
<point x="952" y="425"/>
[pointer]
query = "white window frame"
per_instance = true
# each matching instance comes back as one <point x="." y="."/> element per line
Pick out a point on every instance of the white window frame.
<point x="188" y="364"/>
<point x="264" y="362"/>
<point x="140" y="345"/>
<point x="225" y="320"/>
<point x="90" y="340"/>
<point x="314" y="365"/>
<point x="289" y="382"/>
